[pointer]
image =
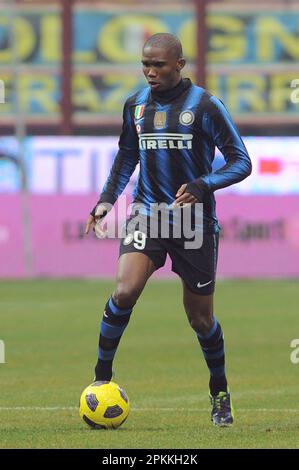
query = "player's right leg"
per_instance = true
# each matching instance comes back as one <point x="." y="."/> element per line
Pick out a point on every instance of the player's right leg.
<point x="134" y="269"/>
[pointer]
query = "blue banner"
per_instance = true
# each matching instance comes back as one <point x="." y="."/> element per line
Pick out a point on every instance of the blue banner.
<point x="253" y="56"/>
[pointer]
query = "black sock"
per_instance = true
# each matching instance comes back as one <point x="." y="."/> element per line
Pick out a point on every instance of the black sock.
<point x="113" y="324"/>
<point x="212" y="345"/>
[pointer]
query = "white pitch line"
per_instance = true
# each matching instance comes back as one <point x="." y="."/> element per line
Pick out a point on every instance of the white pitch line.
<point x="203" y="410"/>
<point x="37" y="408"/>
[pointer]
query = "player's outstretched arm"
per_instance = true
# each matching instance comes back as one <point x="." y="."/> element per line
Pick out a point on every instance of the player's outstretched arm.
<point x="125" y="161"/>
<point x="122" y="169"/>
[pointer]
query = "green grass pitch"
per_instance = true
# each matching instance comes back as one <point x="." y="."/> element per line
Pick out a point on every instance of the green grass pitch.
<point x="50" y="330"/>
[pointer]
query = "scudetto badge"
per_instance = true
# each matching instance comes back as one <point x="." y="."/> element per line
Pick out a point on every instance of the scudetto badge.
<point x="139" y="110"/>
<point x="187" y="117"/>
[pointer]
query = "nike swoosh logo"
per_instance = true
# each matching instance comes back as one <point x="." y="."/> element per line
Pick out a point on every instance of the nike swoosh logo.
<point x="199" y="285"/>
<point x="105" y="315"/>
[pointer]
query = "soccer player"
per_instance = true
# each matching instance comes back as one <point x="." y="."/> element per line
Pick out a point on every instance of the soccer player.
<point x="171" y="127"/>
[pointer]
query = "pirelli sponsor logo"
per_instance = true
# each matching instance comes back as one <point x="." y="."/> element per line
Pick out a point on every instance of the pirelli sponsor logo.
<point x="165" y="141"/>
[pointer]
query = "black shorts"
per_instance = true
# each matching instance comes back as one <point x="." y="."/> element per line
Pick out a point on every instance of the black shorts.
<point x="196" y="267"/>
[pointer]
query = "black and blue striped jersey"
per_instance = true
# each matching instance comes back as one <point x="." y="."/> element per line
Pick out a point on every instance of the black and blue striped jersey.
<point x="173" y="136"/>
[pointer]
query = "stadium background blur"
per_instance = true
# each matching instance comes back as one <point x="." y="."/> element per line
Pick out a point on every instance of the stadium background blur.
<point x="66" y="69"/>
<point x="63" y="81"/>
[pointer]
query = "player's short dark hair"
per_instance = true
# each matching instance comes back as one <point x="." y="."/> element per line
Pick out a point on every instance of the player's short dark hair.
<point x="166" y="41"/>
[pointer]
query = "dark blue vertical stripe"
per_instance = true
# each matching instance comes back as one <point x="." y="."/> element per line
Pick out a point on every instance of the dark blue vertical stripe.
<point x="142" y="98"/>
<point x="192" y="102"/>
<point x="164" y="162"/>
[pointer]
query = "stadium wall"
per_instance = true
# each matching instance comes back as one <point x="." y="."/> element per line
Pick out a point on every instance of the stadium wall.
<point x="259" y="238"/>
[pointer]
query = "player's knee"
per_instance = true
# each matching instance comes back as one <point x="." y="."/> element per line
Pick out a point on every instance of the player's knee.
<point x="201" y="324"/>
<point x="125" y="295"/>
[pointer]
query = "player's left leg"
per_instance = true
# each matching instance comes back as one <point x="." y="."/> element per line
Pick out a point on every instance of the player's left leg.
<point x="199" y="310"/>
<point x="200" y="313"/>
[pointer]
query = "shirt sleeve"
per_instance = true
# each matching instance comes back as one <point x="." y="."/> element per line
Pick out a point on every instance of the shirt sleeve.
<point x="218" y="125"/>
<point x="125" y="161"/>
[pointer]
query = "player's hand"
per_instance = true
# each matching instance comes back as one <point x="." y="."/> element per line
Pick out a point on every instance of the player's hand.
<point x="184" y="199"/>
<point x="94" y="222"/>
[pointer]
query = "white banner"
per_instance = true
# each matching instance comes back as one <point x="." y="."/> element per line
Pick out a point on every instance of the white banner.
<point x="81" y="165"/>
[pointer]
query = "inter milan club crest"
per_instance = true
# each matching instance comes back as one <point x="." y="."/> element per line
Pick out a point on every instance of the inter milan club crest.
<point x="139" y="110"/>
<point x="160" y="119"/>
<point x="187" y="117"/>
